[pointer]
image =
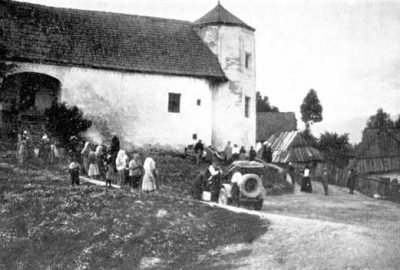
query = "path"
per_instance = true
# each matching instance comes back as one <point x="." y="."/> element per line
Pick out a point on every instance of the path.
<point x="312" y="231"/>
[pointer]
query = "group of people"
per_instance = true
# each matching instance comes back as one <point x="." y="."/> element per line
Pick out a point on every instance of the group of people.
<point x="232" y="153"/>
<point x="113" y="165"/>
<point x="235" y="153"/>
<point x="306" y="181"/>
<point x="44" y="149"/>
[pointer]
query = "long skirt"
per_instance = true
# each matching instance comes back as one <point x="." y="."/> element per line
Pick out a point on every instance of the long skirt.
<point x="93" y="170"/>
<point x="85" y="163"/>
<point x="306" y="185"/>
<point x="149" y="182"/>
<point x="121" y="177"/>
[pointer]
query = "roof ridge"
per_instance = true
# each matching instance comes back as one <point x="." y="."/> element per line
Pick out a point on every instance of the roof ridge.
<point x="98" y="12"/>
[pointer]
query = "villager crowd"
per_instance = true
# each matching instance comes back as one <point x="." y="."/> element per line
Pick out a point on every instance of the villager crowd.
<point x="112" y="164"/>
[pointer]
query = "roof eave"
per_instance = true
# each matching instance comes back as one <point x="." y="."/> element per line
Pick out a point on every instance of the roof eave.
<point x="226" y="24"/>
<point x="212" y="78"/>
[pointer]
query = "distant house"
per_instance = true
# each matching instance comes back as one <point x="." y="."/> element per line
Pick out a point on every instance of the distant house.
<point x="269" y="123"/>
<point x="291" y="147"/>
<point x="378" y="152"/>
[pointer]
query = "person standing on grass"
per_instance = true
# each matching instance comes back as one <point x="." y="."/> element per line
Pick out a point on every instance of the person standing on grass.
<point x="23" y="151"/>
<point x="198" y="150"/>
<point x="306" y="182"/>
<point x="93" y="166"/>
<point x="351" y="181"/>
<point x="100" y="161"/>
<point x="109" y="168"/>
<point x="150" y="173"/>
<point x="228" y="152"/>
<point x="266" y="154"/>
<point x="252" y="154"/>
<point x="235" y="152"/>
<point x="135" y="171"/>
<point x="74" y="168"/>
<point x="114" y="149"/>
<point x="213" y="175"/>
<point x="85" y="157"/>
<point x="242" y="153"/>
<point x="325" y="179"/>
<point x="121" y="165"/>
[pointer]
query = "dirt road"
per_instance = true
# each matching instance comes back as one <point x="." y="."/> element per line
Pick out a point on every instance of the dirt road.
<point x="313" y="231"/>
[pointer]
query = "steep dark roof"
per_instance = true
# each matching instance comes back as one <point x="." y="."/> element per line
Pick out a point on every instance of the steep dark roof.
<point x="269" y="123"/>
<point x="220" y="16"/>
<point x="104" y="40"/>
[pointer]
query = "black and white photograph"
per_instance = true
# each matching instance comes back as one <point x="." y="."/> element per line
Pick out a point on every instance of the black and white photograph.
<point x="209" y="135"/>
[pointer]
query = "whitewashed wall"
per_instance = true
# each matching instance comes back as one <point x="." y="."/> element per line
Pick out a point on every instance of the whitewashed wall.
<point x="230" y="44"/>
<point x="136" y="105"/>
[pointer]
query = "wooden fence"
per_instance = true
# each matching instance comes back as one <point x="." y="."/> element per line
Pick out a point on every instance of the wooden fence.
<point x="366" y="184"/>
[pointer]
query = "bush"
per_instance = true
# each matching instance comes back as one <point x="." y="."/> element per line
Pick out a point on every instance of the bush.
<point x="63" y="122"/>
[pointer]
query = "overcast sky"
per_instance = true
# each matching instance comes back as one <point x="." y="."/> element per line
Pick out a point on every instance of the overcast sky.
<point x="348" y="51"/>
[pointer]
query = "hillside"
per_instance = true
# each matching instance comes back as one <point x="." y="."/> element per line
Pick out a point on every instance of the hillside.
<point x="46" y="224"/>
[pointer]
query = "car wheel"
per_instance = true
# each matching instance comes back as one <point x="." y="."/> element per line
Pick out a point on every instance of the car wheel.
<point x="250" y="185"/>
<point x="258" y="205"/>
<point x="223" y="197"/>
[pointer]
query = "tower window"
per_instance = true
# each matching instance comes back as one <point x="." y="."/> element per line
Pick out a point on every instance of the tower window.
<point x="248" y="60"/>
<point x="247" y="107"/>
<point x="174" y="102"/>
<point x="198" y="102"/>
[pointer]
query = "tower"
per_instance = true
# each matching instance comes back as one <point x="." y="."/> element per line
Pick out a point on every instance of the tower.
<point x="234" y="102"/>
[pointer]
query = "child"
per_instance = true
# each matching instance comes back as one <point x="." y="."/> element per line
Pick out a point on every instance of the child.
<point x="74" y="168"/>
<point x="135" y="171"/>
<point x="109" y="168"/>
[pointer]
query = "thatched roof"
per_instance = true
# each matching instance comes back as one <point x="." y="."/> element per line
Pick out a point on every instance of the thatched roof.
<point x="220" y="16"/>
<point x="269" y="123"/>
<point x="291" y="147"/>
<point x="36" y="33"/>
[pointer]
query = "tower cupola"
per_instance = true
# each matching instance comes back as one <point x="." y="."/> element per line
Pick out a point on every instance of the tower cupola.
<point x="220" y="16"/>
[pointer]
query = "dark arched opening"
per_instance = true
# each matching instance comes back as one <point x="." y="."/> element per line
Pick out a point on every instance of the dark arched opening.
<point x="24" y="97"/>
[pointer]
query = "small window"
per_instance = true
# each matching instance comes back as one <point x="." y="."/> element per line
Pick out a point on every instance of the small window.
<point x="247" y="107"/>
<point x="194" y="136"/>
<point x="174" y="102"/>
<point x="198" y="102"/>
<point x="248" y="60"/>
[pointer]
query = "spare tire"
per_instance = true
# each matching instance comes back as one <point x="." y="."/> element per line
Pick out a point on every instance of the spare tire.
<point x="250" y="185"/>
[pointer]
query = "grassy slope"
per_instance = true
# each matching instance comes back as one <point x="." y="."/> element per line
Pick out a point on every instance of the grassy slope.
<point x="46" y="223"/>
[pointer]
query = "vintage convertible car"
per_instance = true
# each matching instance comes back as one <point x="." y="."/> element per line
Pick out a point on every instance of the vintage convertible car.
<point x="242" y="184"/>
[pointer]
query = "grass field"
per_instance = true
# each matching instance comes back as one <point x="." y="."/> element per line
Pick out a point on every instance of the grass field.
<point x="47" y="224"/>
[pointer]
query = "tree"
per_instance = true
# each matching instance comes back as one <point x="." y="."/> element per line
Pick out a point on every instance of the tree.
<point x="262" y="104"/>
<point x="381" y="120"/>
<point x="336" y="148"/>
<point x="309" y="138"/>
<point x="64" y="122"/>
<point x="311" y="109"/>
<point x="397" y="123"/>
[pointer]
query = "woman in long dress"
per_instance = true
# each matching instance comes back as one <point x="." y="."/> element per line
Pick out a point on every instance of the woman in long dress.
<point x="93" y="166"/>
<point x="149" y="180"/>
<point x="121" y="163"/>
<point x="85" y="157"/>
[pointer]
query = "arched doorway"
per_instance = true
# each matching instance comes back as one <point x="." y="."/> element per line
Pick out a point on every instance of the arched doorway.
<point x="24" y="97"/>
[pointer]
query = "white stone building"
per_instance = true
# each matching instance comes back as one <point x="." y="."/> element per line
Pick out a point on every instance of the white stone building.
<point x="150" y="80"/>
